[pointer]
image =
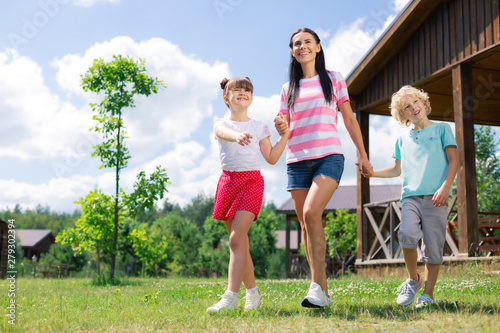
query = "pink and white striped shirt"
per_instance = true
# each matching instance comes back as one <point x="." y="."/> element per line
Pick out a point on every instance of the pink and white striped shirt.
<point x="313" y="122"/>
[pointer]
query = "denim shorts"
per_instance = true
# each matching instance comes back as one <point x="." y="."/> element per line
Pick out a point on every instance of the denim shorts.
<point x="302" y="173"/>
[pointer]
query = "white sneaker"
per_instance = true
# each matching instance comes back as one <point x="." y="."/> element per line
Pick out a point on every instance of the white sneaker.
<point x="229" y="301"/>
<point x="424" y="300"/>
<point x="252" y="300"/>
<point x="408" y="290"/>
<point x="315" y="298"/>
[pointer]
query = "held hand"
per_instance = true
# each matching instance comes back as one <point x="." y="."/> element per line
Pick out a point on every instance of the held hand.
<point x="281" y="124"/>
<point x="244" y="139"/>
<point x="365" y="167"/>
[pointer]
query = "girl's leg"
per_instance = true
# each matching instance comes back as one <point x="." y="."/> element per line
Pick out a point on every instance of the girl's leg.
<point x="239" y="258"/>
<point x="431" y="275"/>
<point x="411" y="259"/>
<point x="315" y="202"/>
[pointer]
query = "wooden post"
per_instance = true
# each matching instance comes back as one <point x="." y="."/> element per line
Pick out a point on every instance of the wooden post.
<point x="288" y="260"/>
<point x="364" y="236"/>
<point x="463" y="105"/>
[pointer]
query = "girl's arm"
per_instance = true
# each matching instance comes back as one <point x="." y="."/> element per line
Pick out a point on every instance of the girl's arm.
<point x="442" y="195"/>
<point x="389" y="172"/>
<point x="272" y="154"/>
<point x="352" y="126"/>
<point x="225" y="133"/>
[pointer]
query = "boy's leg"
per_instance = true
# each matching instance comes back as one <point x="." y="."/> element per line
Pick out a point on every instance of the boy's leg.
<point x="431" y="275"/>
<point x="411" y="260"/>
<point x="239" y="248"/>
<point x="434" y="235"/>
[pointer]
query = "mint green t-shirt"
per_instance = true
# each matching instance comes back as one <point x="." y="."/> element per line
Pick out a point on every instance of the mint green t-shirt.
<point x="423" y="158"/>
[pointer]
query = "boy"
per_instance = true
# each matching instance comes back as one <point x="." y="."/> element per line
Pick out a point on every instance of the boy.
<point x="427" y="158"/>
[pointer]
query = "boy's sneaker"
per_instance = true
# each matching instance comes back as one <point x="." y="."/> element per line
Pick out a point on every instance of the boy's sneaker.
<point x="229" y="301"/>
<point x="252" y="300"/>
<point x="315" y="298"/>
<point x="408" y="291"/>
<point x="424" y="300"/>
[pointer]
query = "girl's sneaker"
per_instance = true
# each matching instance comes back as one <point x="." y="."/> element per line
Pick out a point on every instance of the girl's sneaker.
<point x="229" y="301"/>
<point x="252" y="300"/>
<point x="424" y="300"/>
<point x="408" y="290"/>
<point x="315" y="298"/>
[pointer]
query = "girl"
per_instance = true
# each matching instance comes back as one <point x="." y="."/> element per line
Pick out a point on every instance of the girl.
<point x="240" y="189"/>
<point x="314" y="159"/>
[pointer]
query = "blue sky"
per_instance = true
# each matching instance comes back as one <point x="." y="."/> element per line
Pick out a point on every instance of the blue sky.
<point x="191" y="45"/>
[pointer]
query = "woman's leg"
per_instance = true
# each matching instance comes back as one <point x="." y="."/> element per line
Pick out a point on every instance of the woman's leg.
<point x="313" y="206"/>
<point x="240" y="262"/>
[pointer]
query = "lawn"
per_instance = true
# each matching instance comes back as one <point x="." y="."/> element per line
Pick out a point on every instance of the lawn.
<point x="468" y="301"/>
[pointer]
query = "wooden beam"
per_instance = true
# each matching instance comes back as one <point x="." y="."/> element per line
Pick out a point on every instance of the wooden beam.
<point x="364" y="236"/>
<point x="463" y="105"/>
<point x="288" y="258"/>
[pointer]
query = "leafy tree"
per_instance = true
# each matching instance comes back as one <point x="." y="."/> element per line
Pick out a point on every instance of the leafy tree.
<point x="186" y="241"/>
<point x="60" y="253"/>
<point x="487" y="169"/>
<point x="200" y="207"/>
<point x="120" y="80"/>
<point x="341" y="234"/>
<point x="94" y="229"/>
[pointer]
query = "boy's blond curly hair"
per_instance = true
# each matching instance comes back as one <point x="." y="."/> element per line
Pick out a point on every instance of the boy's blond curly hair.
<point x="399" y="99"/>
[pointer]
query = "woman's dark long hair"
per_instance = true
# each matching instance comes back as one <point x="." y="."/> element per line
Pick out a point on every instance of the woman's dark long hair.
<point x="295" y="72"/>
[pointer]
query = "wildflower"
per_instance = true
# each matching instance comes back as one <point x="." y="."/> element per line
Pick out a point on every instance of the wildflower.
<point x="117" y="289"/>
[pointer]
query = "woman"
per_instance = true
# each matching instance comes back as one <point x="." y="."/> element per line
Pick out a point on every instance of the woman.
<point x="315" y="162"/>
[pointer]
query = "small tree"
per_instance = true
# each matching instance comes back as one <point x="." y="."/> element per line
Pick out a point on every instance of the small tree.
<point x="341" y="233"/>
<point x="487" y="169"/>
<point x="120" y="80"/>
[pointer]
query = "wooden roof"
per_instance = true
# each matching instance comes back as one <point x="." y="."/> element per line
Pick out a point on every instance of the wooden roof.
<point x="422" y="46"/>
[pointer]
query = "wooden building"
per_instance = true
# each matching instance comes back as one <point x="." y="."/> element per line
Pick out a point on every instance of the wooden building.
<point x="35" y="241"/>
<point x="344" y="198"/>
<point x="451" y="49"/>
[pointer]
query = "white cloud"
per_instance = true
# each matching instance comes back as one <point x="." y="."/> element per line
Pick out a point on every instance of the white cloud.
<point x="90" y="3"/>
<point x="400" y="4"/>
<point x="36" y="123"/>
<point x="174" y="113"/>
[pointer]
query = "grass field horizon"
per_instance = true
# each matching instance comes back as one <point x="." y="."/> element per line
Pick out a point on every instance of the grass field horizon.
<point x="468" y="300"/>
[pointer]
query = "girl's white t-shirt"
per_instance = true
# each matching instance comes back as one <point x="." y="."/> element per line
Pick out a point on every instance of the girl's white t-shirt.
<point x="234" y="157"/>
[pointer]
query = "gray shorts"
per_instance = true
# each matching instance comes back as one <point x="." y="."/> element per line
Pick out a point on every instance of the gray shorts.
<point x="421" y="220"/>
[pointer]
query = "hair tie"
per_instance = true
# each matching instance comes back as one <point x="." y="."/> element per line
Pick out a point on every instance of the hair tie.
<point x="227" y="83"/>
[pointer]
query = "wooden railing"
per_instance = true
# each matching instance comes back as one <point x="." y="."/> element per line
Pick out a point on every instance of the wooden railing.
<point x="384" y="217"/>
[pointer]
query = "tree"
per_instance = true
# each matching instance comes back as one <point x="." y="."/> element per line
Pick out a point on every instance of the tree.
<point x="120" y="80"/>
<point x="487" y="169"/>
<point x="341" y="234"/>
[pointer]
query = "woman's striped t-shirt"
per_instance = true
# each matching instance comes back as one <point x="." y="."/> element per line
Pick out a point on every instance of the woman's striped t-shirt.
<point x="313" y="123"/>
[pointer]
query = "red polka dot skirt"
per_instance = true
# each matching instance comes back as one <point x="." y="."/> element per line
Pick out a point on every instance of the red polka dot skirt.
<point x="238" y="190"/>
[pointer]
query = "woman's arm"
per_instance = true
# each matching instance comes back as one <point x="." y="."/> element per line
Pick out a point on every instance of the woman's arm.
<point x="352" y="126"/>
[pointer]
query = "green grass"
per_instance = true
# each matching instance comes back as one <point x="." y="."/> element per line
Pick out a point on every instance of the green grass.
<point x="468" y="301"/>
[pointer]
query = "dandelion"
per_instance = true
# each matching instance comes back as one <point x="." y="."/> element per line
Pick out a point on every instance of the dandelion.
<point x="117" y="290"/>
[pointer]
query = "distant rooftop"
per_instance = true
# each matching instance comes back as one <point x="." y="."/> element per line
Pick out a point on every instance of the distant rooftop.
<point x="31" y="237"/>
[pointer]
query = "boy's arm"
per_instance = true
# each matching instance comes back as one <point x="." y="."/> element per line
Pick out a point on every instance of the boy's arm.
<point x="225" y="133"/>
<point x="442" y="195"/>
<point x="389" y="172"/>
